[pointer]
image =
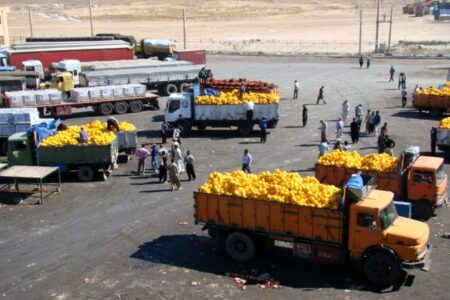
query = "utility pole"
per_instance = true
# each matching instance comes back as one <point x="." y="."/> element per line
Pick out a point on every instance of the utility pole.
<point x="90" y="17"/>
<point x="30" y="18"/>
<point x="360" y="31"/>
<point x="390" y="33"/>
<point x="184" y="30"/>
<point x="377" y="25"/>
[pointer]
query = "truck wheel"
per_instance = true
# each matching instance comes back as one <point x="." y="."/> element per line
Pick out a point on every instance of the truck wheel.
<point x="105" y="109"/>
<point x="381" y="269"/>
<point x="435" y="112"/>
<point x="120" y="108"/>
<point x="85" y="173"/>
<point x="423" y="210"/>
<point x="170" y="89"/>
<point x="4" y="148"/>
<point x="184" y="87"/>
<point x="240" y="246"/>
<point x="135" y="106"/>
<point x="185" y="127"/>
<point x="245" y="128"/>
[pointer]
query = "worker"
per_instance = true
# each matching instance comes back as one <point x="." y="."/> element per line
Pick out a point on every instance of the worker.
<point x="61" y="127"/>
<point x="404" y="97"/>
<point x="202" y="75"/>
<point x="433" y="135"/>
<point x="369" y="60"/>
<point x="241" y="88"/>
<point x="112" y="124"/>
<point x="323" y="131"/>
<point x="263" y="127"/>
<point x="320" y="96"/>
<point x="361" y="61"/>
<point x="304" y="115"/>
<point x="391" y="73"/>
<point x="84" y="137"/>
<point x="249" y="106"/>
<point x="323" y="148"/>
<point x="296" y="87"/>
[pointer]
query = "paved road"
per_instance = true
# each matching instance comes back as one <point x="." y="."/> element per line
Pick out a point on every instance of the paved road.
<point x="131" y="238"/>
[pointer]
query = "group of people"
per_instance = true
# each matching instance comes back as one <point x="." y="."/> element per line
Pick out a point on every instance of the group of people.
<point x="368" y="61"/>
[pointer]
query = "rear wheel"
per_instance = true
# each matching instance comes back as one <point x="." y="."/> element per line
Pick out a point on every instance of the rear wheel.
<point x="85" y="173"/>
<point x="245" y="128"/>
<point x="423" y="210"/>
<point x="185" y="127"/>
<point x="170" y="89"/>
<point x="120" y="108"/>
<point x="435" y="112"/>
<point x="184" y="87"/>
<point x="381" y="269"/>
<point x="105" y="109"/>
<point x="240" y="246"/>
<point x="136" y="106"/>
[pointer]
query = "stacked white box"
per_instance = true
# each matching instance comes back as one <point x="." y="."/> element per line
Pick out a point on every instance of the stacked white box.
<point x="29" y="99"/>
<point x="106" y="93"/>
<point x="128" y="90"/>
<point x="42" y="98"/>
<point x="80" y="94"/>
<point x="139" y="90"/>
<point x="117" y="92"/>
<point x="15" y="98"/>
<point x="94" y="94"/>
<point x="55" y="97"/>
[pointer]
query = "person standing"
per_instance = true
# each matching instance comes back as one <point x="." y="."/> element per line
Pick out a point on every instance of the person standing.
<point x="177" y="156"/>
<point x="154" y="157"/>
<point x="368" y="61"/>
<point x="389" y="145"/>
<point x="400" y="80"/>
<point x="163" y="158"/>
<point x="366" y="122"/>
<point x="176" y="135"/>
<point x="323" y="131"/>
<point x="384" y="129"/>
<point x="249" y="106"/>
<point x="354" y="131"/>
<point x="142" y="154"/>
<point x="189" y="161"/>
<point x="372" y="123"/>
<point x="323" y="148"/>
<point x="83" y="137"/>
<point x="404" y="81"/>
<point x="164" y="131"/>
<point x="246" y="161"/>
<point x="391" y="73"/>
<point x="381" y="143"/>
<point x="404" y="97"/>
<point x="358" y="113"/>
<point x="304" y="115"/>
<point x="202" y="75"/>
<point x="339" y="127"/>
<point x="263" y="127"/>
<point x="361" y="61"/>
<point x="433" y="136"/>
<point x="320" y="96"/>
<point x="174" y="175"/>
<point x="377" y="122"/>
<point x="296" y="87"/>
<point x="241" y="88"/>
<point x="345" y="110"/>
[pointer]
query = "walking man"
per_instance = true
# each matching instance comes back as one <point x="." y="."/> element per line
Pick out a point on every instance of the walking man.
<point x="320" y="96"/>
<point x="174" y="175"/>
<point x="263" y="127"/>
<point x="377" y="122"/>
<point x="381" y="143"/>
<point x="358" y="113"/>
<point x="361" y="61"/>
<point x="323" y="131"/>
<point x="345" y="110"/>
<point x="369" y="60"/>
<point x="404" y="98"/>
<point x="246" y="161"/>
<point x="391" y="73"/>
<point x="142" y="153"/>
<point x="189" y="161"/>
<point x="339" y="127"/>
<point x="354" y="131"/>
<point x="163" y="158"/>
<point x="296" y="87"/>
<point x="164" y="132"/>
<point x="304" y="115"/>
<point x="176" y="135"/>
<point x="433" y="135"/>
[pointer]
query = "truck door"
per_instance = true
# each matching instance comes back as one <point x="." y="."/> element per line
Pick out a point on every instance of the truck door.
<point x="422" y="185"/>
<point x="177" y="108"/>
<point x="20" y="153"/>
<point x="364" y="231"/>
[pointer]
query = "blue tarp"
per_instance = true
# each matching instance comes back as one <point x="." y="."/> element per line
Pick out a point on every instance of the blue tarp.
<point x="43" y="131"/>
<point x="356" y="182"/>
<point x="211" y="92"/>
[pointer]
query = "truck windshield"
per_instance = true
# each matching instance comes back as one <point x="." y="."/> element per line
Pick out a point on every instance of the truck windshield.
<point x="440" y="174"/>
<point x="388" y="216"/>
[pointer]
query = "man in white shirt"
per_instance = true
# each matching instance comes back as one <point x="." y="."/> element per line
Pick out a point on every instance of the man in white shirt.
<point x="323" y="131"/>
<point x="345" y="110"/>
<point x="249" y="106"/>
<point x="296" y="87"/>
<point x="246" y="161"/>
<point x="339" y="127"/>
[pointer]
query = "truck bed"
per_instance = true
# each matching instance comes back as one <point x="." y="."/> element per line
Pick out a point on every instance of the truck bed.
<point x="285" y="221"/>
<point x="431" y="101"/>
<point x="205" y="112"/>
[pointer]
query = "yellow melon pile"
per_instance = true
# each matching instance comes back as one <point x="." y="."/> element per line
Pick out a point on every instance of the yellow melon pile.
<point x="445" y="123"/>
<point x="352" y="159"/>
<point x="278" y="186"/>
<point x="233" y="98"/>
<point x="445" y="91"/>
<point x="97" y="133"/>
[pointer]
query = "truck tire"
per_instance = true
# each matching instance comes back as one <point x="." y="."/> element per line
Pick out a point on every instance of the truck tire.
<point x="423" y="210"/>
<point x="435" y="112"/>
<point x="381" y="269"/>
<point x="120" y="108"/>
<point x="105" y="109"/>
<point x="245" y="128"/>
<point x="4" y="147"/>
<point x="135" y="106"/>
<point x="170" y="88"/>
<point x="185" y="127"/>
<point x="184" y="87"/>
<point x="85" y="173"/>
<point x="240" y="246"/>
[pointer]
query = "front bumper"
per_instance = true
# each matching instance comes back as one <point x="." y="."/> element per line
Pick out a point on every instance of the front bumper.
<point x="424" y="264"/>
<point x="443" y="199"/>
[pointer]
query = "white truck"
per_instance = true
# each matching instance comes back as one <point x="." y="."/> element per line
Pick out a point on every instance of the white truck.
<point x="182" y="111"/>
<point x="13" y="120"/>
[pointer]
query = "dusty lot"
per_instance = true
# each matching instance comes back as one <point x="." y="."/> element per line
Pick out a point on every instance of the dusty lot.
<point x="131" y="238"/>
<point x="269" y="25"/>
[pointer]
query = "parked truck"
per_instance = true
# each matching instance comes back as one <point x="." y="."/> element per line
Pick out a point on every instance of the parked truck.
<point x="365" y="232"/>
<point x="182" y="111"/>
<point x="418" y="179"/>
<point x="434" y="104"/>
<point x="441" y="11"/>
<point x="13" y="120"/>
<point x="85" y="160"/>
<point x="104" y="100"/>
<point x="154" y="48"/>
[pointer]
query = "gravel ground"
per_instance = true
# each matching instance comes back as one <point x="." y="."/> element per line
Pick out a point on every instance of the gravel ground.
<point x="132" y="238"/>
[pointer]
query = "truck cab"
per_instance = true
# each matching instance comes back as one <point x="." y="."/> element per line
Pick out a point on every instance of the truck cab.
<point x="20" y="150"/>
<point x="62" y="81"/>
<point x="72" y="66"/>
<point x="34" y="66"/>
<point x="178" y="107"/>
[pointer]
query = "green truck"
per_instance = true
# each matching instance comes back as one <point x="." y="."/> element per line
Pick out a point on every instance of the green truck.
<point x="86" y="160"/>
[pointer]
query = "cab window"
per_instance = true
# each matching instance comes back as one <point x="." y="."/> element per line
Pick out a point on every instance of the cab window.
<point x="174" y="105"/>
<point x="423" y="177"/>
<point x="365" y="220"/>
<point x="20" y="146"/>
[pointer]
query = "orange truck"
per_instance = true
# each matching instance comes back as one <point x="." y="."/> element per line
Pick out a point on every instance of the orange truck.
<point x="420" y="180"/>
<point x="365" y="232"/>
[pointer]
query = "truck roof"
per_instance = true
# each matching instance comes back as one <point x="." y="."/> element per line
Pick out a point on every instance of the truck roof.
<point x="68" y="46"/>
<point x="376" y="199"/>
<point x="146" y="71"/>
<point x="428" y="162"/>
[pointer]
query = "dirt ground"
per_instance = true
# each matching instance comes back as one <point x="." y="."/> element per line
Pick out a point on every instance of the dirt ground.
<point x="276" y="26"/>
<point x="132" y="238"/>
